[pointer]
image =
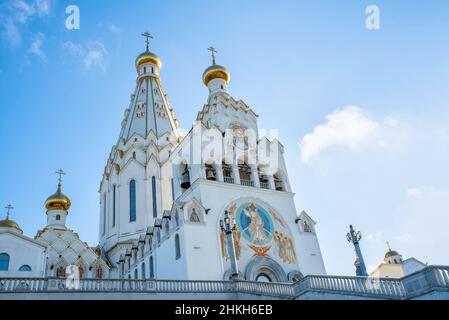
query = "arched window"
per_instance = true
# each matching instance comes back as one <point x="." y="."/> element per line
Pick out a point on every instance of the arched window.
<point x="99" y="272"/>
<point x="263" y="178"/>
<point x="136" y="274"/>
<point x="278" y="183"/>
<point x="81" y="271"/>
<point x="143" y="270"/>
<point x="151" y="267"/>
<point x="60" y="272"/>
<point x="185" y="176"/>
<point x="132" y="200"/>
<point x="104" y="213"/>
<point x="4" y="262"/>
<point x="245" y="173"/>
<point x="177" y="247"/>
<point x="114" y="189"/>
<point x="172" y="190"/>
<point x="263" y="278"/>
<point x="210" y="171"/>
<point x="134" y="155"/>
<point x="25" y="267"/>
<point x="227" y="172"/>
<point x="58" y="217"/>
<point x="153" y="190"/>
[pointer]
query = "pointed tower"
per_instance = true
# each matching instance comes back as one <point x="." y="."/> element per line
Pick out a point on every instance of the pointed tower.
<point x="149" y="110"/>
<point x="136" y="184"/>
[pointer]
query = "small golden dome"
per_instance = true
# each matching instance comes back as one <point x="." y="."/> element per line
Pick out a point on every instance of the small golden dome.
<point x="58" y="201"/>
<point x="148" y="57"/>
<point x="391" y="253"/>
<point x="7" y="223"/>
<point x="216" y="71"/>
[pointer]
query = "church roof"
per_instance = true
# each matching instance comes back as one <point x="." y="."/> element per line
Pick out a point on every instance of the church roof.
<point x="391" y="253"/>
<point x="149" y="108"/>
<point x="66" y="246"/>
<point x="58" y="201"/>
<point x="7" y="223"/>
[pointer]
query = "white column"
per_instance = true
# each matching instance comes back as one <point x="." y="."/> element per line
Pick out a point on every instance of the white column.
<point x="271" y="181"/>
<point x="255" y="176"/>
<point x="203" y="171"/>
<point x="219" y="172"/>
<point x="236" y="174"/>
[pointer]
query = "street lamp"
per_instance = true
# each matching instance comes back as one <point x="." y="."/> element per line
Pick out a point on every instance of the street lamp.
<point x="228" y="226"/>
<point x="354" y="237"/>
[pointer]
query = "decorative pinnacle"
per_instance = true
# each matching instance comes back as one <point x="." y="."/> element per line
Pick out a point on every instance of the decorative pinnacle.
<point x="61" y="173"/>
<point x="388" y="244"/>
<point x="213" y="52"/>
<point x="8" y="208"/>
<point x="148" y="36"/>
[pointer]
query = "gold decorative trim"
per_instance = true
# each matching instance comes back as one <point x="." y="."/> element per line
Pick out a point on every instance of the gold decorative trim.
<point x="216" y="74"/>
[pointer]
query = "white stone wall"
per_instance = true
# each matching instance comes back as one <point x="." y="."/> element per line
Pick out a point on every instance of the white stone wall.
<point x="22" y="251"/>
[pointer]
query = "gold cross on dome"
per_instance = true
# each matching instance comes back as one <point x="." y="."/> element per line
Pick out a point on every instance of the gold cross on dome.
<point x="8" y="208"/>
<point x="147" y="36"/>
<point x="213" y="52"/>
<point x="61" y="173"/>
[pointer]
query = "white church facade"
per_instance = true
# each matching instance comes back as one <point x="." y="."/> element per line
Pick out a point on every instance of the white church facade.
<point x="163" y="195"/>
<point x="214" y="205"/>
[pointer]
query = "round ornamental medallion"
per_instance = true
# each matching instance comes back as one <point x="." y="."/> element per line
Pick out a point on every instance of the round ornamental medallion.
<point x="254" y="223"/>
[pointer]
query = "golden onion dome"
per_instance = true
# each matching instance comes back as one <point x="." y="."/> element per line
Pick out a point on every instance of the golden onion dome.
<point x="58" y="201"/>
<point x="7" y="223"/>
<point x="391" y="253"/>
<point x="216" y="71"/>
<point x="148" y="57"/>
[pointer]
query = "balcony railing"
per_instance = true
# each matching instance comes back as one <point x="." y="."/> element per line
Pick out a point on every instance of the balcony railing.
<point x="228" y="179"/>
<point x="265" y="185"/>
<point x="248" y="183"/>
<point x="430" y="279"/>
<point x="366" y="286"/>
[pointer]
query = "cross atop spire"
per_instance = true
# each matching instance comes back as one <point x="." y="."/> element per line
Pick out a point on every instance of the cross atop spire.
<point x="8" y="208"/>
<point x="213" y="52"/>
<point x="148" y="36"/>
<point x="61" y="173"/>
<point x="388" y="244"/>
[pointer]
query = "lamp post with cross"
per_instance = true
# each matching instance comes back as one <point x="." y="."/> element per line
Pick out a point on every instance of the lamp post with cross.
<point x="228" y="226"/>
<point x="354" y="237"/>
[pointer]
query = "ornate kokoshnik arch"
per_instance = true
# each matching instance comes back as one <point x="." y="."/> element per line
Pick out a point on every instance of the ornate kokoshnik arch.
<point x="265" y="266"/>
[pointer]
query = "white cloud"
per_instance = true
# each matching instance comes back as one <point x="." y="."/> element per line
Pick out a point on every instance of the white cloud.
<point x="92" y="54"/>
<point x="11" y="33"/>
<point x="348" y="127"/>
<point x="375" y="237"/>
<point x="36" y="46"/>
<point x="110" y="26"/>
<point x="404" y="238"/>
<point x="413" y="192"/>
<point x="16" y="14"/>
<point x="422" y="192"/>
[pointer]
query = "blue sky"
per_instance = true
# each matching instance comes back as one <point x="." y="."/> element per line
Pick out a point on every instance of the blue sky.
<point x="363" y="114"/>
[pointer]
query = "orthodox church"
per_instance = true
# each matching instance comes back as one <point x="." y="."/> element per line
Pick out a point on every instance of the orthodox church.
<point x="162" y="194"/>
<point x="215" y="204"/>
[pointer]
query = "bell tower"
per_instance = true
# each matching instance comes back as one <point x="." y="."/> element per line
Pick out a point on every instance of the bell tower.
<point x="136" y="185"/>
